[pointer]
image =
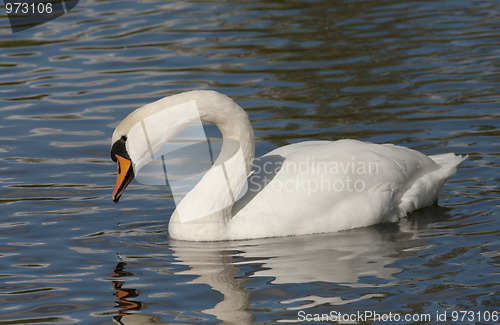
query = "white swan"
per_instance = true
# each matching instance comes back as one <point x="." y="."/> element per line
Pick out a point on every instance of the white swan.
<point x="302" y="188"/>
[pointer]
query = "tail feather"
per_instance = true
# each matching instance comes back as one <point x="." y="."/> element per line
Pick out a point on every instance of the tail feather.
<point x="448" y="162"/>
<point x="425" y="190"/>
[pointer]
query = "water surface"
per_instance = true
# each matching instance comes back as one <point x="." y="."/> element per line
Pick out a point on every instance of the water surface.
<point x="421" y="74"/>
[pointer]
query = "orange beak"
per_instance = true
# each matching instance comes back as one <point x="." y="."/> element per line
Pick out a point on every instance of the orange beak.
<point x="124" y="177"/>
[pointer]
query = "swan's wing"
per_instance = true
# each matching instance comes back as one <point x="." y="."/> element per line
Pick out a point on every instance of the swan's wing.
<point x="323" y="186"/>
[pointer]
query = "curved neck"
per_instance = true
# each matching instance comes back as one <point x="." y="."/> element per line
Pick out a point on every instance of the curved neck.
<point x="204" y="211"/>
<point x="152" y="125"/>
<point x="232" y="121"/>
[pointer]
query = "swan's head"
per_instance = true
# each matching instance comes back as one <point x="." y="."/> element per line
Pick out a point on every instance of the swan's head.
<point x="140" y="140"/>
<point x="122" y="159"/>
<point x="139" y="137"/>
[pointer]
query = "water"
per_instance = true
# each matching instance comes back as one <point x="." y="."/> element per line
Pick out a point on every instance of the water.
<point x="422" y="74"/>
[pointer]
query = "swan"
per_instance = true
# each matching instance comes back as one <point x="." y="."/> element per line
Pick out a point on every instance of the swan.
<point x="302" y="188"/>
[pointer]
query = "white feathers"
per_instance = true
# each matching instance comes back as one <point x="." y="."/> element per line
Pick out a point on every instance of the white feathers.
<point x="303" y="188"/>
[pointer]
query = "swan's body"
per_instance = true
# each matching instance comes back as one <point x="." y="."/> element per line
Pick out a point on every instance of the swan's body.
<point x="302" y="188"/>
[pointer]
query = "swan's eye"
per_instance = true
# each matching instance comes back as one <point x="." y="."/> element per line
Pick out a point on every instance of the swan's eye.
<point x="119" y="149"/>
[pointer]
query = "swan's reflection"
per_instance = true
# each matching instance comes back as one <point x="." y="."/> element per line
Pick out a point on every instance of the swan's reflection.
<point x="122" y="294"/>
<point x="127" y="313"/>
<point x="359" y="258"/>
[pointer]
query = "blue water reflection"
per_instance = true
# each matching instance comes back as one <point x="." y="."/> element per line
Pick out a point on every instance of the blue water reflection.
<point x="415" y="73"/>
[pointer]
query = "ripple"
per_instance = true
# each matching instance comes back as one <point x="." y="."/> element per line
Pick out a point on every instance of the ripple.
<point x="420" y="74"/>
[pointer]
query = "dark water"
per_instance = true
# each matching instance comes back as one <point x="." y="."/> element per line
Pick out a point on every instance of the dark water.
<point x="422" y="74"/>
